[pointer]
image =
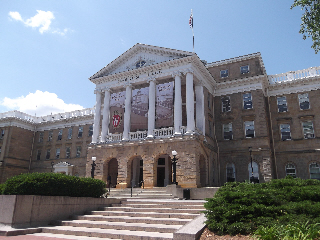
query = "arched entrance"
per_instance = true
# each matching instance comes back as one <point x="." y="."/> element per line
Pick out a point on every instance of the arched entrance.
<point x="164" y="171"/>
<point x="113" y="171"/>
<point x="137" y="172"/>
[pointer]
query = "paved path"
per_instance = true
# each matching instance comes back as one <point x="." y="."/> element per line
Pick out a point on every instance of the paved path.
<point x="29" y="237"/>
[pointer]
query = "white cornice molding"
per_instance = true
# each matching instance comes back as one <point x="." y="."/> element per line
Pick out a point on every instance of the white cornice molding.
<point x="299" y="85"/>
<point x="241" y="85"/>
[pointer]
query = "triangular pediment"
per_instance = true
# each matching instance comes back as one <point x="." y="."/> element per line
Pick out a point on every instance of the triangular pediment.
<point x="139" y="56"/>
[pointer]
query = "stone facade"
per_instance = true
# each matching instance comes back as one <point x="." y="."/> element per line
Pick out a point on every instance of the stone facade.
<point x="227" y="121"/>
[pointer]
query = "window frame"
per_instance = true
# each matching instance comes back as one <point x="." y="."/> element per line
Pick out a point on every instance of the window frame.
<point x="230" y="174"/>
<point x="60" y="135"/>
<point x="57" y="153"/>
<point x="281" y="132"/>
<point x="225" y="105"/>
<point x="317" y="167"/>
<point x="69" y="133"/>
<point x="78" y="151"/>
<point x="50" y="135"/>
<point x="305" y="133"/>
<point x="245" y="100"/>
<point x="48" y="154"/>
<point x="225" y="133"/>
<point x="38" y="157"/>
<point x="281" y="106"/>
<point x="224" y="73"/>
<point x="301" y="98"/>
<point x="80" y="131"/>
<point x="90" y="131"/>
<point x="294" y="175"/>
<point x="41" y="137"/>
<point x="68" y="152"/>
<point x="244" y="69"/>
<point x="245" y="129"/>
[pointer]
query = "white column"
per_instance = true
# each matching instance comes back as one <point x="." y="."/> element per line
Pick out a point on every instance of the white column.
<point x="177" y="103"/>
<point x="200" y="116"/>
<point x="127" y="113"/>
<point x="97" y="116"/>
<point x="106" y="115"/>
<point x="190" y="103"/>
<point x="152" y="107"/>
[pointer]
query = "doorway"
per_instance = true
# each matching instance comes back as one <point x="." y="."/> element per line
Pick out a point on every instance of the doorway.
<point x="164" y="171"/>
<point x="113" y="171"/>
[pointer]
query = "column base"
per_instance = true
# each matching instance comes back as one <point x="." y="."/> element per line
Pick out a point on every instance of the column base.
<point x="149" y="137"/>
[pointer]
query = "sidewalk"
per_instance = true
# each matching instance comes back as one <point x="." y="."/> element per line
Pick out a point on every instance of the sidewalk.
<point x="29" y="237"/>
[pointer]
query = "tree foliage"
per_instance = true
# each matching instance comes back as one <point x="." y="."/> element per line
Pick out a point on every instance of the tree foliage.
<point x="310" y="26"/>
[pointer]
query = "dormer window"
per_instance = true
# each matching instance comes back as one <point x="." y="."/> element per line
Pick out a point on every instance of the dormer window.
<point x="140" y="63"/>
<point x="244" y="69"/>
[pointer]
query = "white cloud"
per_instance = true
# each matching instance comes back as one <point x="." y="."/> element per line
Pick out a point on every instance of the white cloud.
<point x="39" y="103"/>
<point x="42" y="20"/>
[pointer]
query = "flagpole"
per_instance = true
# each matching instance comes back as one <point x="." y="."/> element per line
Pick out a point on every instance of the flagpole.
<point x="191" y="25"/>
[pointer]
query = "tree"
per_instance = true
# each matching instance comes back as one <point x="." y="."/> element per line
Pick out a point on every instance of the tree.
<point x="310" y="26"/>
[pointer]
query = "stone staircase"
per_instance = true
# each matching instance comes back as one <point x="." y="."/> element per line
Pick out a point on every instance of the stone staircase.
<point x="153" y="193"/>
<point x="135" y="218"/>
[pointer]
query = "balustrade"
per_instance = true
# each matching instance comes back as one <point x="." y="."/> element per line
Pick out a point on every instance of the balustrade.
<point x="294" y="75"/>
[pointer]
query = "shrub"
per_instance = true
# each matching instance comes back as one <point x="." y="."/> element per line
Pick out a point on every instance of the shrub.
<point x="1" y="188"/>
<point x="240" y="208"/>
<point x="53" y="184"/>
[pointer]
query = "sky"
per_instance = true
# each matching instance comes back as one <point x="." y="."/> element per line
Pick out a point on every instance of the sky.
<point x="49" y="49"/>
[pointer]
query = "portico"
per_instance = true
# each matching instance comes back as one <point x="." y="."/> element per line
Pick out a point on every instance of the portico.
<point x="147" y="99"/>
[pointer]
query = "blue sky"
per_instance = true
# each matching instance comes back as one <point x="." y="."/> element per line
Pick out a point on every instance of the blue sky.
<point x="49" y="49"/>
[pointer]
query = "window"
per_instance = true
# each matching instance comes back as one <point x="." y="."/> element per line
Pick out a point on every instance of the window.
<point x="140" y="63"/>
<point x="253" y="169"/>
<point x="304" y="101"/>
<point x="50" y="136"/>
<point x="41" y="137"/>
<point x="244" y="69"/>
<point x="80" y="131"/>
<point x="308" y="131"/>
<point x="314" y="171"/>
<point x="249" y="129"/>
<point x="224" y="73"/>
<point x="1" y="133"/>
<point x="282" y="104"/>
<point x="67" y="152"/>
<point x="69" y="133"/>
<point x="227" y="131"/>
<point x="58" y="153"/>
<point x="231" y="173"/>
<point x="60" y="134"/>
<point x="48" y="154"/>
<point x="291" y="170"/>
<point x="38" y="154"/>
<point x="247" y="101"/>
<point x="225" y="101"/>
<point x="285" y="132"/>
<point x="210" y="129"/>
<point x="78" y="151"/>
<point x="90" y="131"/>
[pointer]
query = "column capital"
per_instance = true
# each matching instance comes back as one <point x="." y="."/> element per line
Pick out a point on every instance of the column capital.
<point x="127" y="84"/>
<point x="97" y="90"/>
<point x="188" y="70"/>
<point x="176" y="73"/>
<point x="151" y="79"/>
<point x="106" y="89"/>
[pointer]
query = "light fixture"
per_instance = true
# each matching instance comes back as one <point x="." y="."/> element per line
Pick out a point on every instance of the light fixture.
<point x="174" y="166"/>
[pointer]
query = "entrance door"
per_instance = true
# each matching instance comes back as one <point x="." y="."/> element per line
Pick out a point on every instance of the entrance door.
<point x="160" y="176"/>
<point x="113" y="171"/>
<point x="164" y="171"/>
<point x="137" y="172"/>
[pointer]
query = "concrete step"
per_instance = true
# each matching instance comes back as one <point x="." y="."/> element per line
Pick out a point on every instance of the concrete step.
<point x="162" y="228"/>
<point x="151" y="210"/>
<point x="107" y="233"/>
<point x="153" y="205"/>
<point x="71" y="237"/>
<point x="147" y="220"/>
<point x="144" y="214"/>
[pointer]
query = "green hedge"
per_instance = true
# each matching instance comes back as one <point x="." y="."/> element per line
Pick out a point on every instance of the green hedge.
<point x="240" y="208"/>
<point x="53" y="184"/>
<point x="1" y="188"/>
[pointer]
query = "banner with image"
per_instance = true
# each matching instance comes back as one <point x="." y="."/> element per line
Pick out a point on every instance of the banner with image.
<point x="117" y="106"/>
<point x="164" y="105"/>
<point x="139" y="109"/>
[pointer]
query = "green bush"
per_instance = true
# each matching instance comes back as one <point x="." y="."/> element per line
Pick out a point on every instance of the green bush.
<point x="1" y="188"/>
<point x="240" y="208"/>
<point x="53" y="184"/>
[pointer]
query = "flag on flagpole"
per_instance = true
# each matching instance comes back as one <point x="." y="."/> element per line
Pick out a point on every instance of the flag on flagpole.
<point x="191" y="20"/>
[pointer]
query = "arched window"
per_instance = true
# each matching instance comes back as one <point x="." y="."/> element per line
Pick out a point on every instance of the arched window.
<point x="314" y="171"/>
<point x="291" y="170"/>
<point x="231" y="172"/>
<point x="255" y="169"/>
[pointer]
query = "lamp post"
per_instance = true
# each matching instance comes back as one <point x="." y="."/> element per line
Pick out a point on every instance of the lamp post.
<point x="174" y="166"/>
<point x="52" y="164"/>
<point x="251" y="178"/>
<point x="93" y="165"/>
